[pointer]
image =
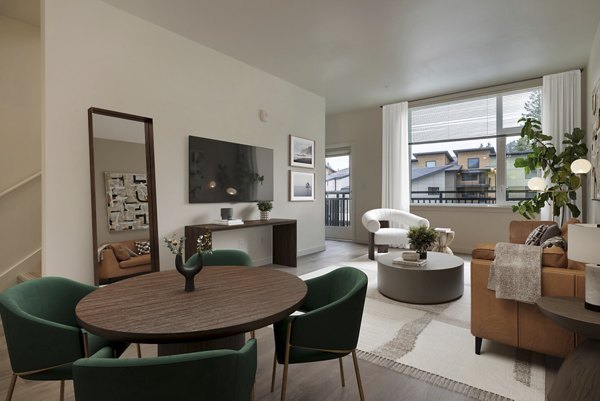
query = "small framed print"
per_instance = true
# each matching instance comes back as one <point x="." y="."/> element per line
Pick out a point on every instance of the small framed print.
<point x="302" y="152"/>
<point x="302" y="186"/>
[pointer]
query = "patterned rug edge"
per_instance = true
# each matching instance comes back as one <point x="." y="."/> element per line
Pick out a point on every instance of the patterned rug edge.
<point x="431" y="378"/>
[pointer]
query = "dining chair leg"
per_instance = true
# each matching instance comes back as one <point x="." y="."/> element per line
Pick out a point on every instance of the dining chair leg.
<point x="342" y="372"/>
<point x="274" y="370"/>
<point x="11" y="387"/>
<point x="62" y="390"/>
<point x="360" y="387"/>
<point x="86" y="345"/>
<point x="139" y="349"/>
<point x="252" y="334"/>
<point x="286" y="361"/>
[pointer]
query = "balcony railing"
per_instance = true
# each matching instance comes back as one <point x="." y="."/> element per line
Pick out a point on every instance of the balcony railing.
<point x="337" y="209"/>
<point x="487" y="196"/>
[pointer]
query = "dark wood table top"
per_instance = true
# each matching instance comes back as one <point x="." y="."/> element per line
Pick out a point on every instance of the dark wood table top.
<point x="570" y="313"/>
<point x="154" y="308"/>
<point x="247" y="224"/>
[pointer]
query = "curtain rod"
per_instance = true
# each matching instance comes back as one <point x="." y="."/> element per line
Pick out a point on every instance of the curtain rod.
<point x="469" y="90"/>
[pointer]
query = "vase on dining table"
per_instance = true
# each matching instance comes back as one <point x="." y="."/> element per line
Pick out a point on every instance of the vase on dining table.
<point x="189" y="270"/>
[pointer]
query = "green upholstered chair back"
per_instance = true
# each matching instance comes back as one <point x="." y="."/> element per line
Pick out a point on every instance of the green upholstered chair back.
<point x="333" y="314"/>
<point x="223" y="257"/>
<point x="39" y="323"/>
<point x="223" y="375"/>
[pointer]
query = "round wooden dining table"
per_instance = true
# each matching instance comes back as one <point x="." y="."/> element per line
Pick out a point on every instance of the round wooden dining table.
<point x="228" y="302"/>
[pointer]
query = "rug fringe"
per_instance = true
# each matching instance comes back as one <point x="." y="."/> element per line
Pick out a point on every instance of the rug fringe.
<point x="431" y="378"/>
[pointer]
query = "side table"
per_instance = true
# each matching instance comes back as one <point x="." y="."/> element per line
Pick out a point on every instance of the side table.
<point x="578" y="378"/>
<point x="444" y="239"/>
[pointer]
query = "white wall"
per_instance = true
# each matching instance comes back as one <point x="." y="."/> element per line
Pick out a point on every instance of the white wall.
<point x="361" y="131"/>
<point x="97" y="55"/>
<point x="593" y="75"/>
<point x="20" y="148"/>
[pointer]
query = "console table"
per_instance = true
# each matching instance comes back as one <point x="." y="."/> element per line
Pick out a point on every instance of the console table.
<point x="284" y="237"/>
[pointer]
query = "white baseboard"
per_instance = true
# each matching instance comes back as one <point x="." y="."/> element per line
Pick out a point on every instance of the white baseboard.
<point x="310" y="251"/>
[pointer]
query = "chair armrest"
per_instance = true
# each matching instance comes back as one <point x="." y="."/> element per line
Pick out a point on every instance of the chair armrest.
<point x="484" y="251"/>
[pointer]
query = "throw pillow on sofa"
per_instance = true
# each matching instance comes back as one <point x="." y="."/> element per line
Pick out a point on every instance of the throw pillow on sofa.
<point x="143" y="247"/>
<point x="557" y="241"/>
<point x="552" y="231"/>
<point x="536" y="235"/>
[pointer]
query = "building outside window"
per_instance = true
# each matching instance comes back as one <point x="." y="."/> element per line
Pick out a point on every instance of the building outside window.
<point x="473" y="143"/>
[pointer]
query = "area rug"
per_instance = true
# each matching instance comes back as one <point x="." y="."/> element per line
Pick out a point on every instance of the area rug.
<point x="433" y="343"/>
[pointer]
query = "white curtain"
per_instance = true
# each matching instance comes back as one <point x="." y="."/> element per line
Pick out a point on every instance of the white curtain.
<point x="395" y="158"/>
<point x="561" y="112"/>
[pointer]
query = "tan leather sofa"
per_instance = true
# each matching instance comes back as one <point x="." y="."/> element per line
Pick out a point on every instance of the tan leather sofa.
<point x="114" y="266"/>
<point x="515" y="323"/>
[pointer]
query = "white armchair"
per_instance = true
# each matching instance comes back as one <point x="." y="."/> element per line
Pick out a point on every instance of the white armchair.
<point x="377" y="222"/>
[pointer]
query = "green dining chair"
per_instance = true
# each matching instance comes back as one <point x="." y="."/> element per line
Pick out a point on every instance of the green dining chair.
<point x="223" y="375"/>
<point x="42" y="335"/>
<point x="223" y="257"/>
<point x="329" y="326"/>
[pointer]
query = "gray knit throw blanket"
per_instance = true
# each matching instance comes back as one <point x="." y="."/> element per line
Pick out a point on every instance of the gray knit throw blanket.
<point x="516" y="272"/>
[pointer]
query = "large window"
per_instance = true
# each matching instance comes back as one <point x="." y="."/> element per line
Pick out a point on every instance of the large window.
<point x="478" y="140"/>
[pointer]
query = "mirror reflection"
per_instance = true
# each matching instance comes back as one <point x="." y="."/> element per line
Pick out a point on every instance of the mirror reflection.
<point x="122" y="202"/>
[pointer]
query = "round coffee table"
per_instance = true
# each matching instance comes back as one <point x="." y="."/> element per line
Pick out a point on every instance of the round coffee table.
<point x="441" y="280"/>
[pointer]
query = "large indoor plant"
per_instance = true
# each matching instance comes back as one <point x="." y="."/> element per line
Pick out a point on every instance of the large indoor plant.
<point x="560" y="192"/>
<point x="421" y="238"/>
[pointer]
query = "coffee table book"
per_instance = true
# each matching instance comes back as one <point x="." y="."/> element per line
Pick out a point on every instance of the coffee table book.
<point x="418" y="263"/>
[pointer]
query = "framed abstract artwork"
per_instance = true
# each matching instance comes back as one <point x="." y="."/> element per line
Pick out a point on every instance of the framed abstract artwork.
<point x="126" y="201"/>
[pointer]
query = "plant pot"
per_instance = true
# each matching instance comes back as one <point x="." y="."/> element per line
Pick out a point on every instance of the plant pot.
<point x="189" y="271"/>
<point x="264" y="215"/>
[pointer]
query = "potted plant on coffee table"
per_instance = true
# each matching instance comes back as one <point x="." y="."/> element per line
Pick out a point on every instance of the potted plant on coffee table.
<point x="421" y="238"/>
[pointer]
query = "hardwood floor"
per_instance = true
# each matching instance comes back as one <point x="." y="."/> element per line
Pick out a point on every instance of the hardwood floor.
<point x="315" y="381"/>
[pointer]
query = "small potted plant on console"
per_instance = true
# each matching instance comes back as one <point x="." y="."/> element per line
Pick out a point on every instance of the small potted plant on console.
<point x="264" y="207"/>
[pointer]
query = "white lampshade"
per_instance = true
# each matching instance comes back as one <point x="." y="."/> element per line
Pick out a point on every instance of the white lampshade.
<point x="581" y="166"/>
<point x="536" y="184"/>
<point x="583" y="243"/>
<point x="583" y="247"/>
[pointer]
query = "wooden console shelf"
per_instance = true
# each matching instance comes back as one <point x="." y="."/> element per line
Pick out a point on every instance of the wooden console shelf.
<point x="284" y="237"/>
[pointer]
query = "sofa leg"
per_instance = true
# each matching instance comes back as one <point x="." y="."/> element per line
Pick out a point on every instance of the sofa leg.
<point x="478" y="341"/>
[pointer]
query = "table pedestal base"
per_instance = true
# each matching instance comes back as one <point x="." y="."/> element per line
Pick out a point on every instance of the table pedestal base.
<point x="234" y="342"/>
<point x="579" y="376"/>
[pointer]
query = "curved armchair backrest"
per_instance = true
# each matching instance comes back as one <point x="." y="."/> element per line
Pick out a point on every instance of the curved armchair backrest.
<point x="39" y="322"/>
<point x="223" y="257"/>
<point x="372" y="217"/>
<point x="334" y="306"/>
<point x="201" y="376"/>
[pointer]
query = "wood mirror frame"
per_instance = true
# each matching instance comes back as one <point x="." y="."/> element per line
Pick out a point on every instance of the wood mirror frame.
<point x="151" y="192"/>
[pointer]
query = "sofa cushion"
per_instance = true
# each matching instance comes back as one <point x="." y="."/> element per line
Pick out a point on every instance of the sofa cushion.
<point x="535" y="236"/>
<point x="552" y="231"/>
<point x="483" y="251"/>
<point x="120" y="251"/>
<point x="135" y="261"/>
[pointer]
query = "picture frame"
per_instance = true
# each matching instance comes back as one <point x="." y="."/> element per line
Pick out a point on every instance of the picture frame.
<point x="302" y="186"/>
<point x="596" y="165"/>
<point x="302" y="152"/>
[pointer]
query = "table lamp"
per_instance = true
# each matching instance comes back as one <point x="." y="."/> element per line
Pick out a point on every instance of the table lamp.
<point x="583" y="247"/>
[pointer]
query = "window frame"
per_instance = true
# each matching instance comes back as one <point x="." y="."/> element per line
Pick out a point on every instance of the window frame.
<point x="429" y="161"/>
<point x="469" y="159"/>
<point x="501" y="133"/>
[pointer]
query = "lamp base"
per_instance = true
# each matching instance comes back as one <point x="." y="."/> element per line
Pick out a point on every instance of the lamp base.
<point x="592" y="307"/>
<point x="592" y="287"/>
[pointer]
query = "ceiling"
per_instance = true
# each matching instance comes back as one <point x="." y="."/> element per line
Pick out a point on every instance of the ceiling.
<point x="364" y="53"/>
